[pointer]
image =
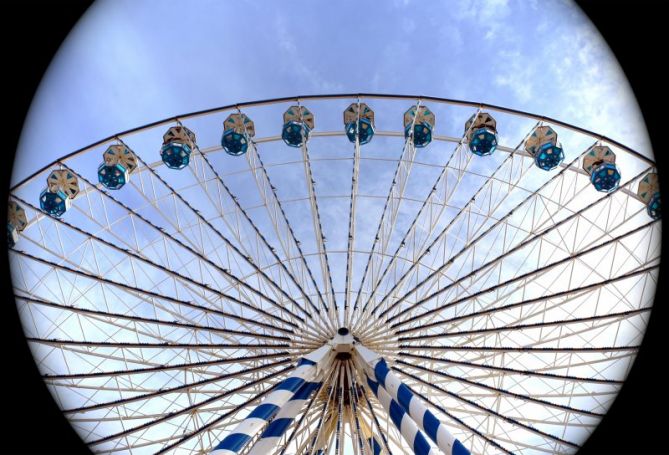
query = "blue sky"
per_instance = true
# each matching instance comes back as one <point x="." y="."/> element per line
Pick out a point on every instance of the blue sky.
<point x="128" y="63"/>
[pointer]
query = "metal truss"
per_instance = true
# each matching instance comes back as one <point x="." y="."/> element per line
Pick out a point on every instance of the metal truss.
<point x="510" y="301"/>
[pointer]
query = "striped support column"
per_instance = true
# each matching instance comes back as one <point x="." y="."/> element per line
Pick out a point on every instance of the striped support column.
<point x="318" y="446"/>
<point x="306" y="370"/>
<point x="370" y="439"/>
<point x="407" y="427"/>
<point x="425" y="419"/>
<point x="374" y="444"/>
<point x="284" y="418"/>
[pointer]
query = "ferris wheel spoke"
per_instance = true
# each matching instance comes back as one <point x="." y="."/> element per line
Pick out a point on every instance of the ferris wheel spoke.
<point x="388" y="218"/>
<point x="473" y="224"/>
<point x="319" y="236"/>
<point x="88" y="312"/>
<point x="581" y="213"/>
<point x="161" y="346"/>
<point x="468" y="283"/>
<point x="282" y="227"/>
<point x="468" y="333"/>
<point x="199" y="218"/>
<point x="240" y="213"/>
<point x="536" y="373"/>
<point x="281" y="224"/>
<point x="445" y="186"/>
<point x="507" y="175"/>
<point x="575" y="294"/>
<point x="84" y="312"/>
<point x="130" y="346"/>
<point x="161" y="368"/>
<point x="201" y="258"/>
<point x="472" y="429"/>
<point x="524" y="280"/>
<point x="507" y="393"/>
<point x="187" y="387"/>
<point x="512" y="421"/>
<point x="424" y="222"/>
<point x="531" y="349"/>
<point x="350" y="245"/>
<point x="544" y="243"/>
<point x="239" y="254"/>
<point x="143" y="293"/>
<point x="165" y="417"/>
<point x="591" y="362"/>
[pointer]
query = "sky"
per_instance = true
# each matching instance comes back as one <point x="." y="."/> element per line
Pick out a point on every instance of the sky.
<point x="129" y="63"/>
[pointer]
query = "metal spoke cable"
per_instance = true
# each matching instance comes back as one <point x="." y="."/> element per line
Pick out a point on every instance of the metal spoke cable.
<point x="161" y="368"/>
<point x="233" y="247"/>
<point x="318" y="229"/>
<point x="443" y="175"/>
<point x="579" y="290"/>
<point x="508" y="393"/>
<point x="562" y="322"/>
<point x="226" y="273"/>
<point x="447" y="228"/>
<point x="524" y="349"/>
<point x="409" y="150"/>
<point x="465" y="210"/>
<point x="582" y="290"/>
<point x="474" y="404"/>
<point x="561" y="377"/>
<point x="613" y="240"/>
<point x="131" y="288"/>
<point x="161" y="346"/>
<point x="255" y="151"/>
<point x="264" y="240"/>
<point x="355" y="174"/>
<point x="180" y="388"/>
<point x="509" y="252"/>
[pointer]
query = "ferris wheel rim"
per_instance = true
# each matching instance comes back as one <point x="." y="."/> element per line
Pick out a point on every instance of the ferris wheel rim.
<point x="238" y="106"/>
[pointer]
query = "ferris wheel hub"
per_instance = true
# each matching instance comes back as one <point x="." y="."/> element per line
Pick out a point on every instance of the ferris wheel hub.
<point x="343" y="343"/>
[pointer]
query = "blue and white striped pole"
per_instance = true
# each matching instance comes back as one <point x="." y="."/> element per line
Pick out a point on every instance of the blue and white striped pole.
<point x="283" y="419"/>
<point x="399" y="392"/>
<point x="404" y="423"/>
<point x="374" y="444"/>
<point x="320" y="440"/>
<point x="425" y="419"/>
<point x="370" y="439"/>
<point x="307" y="369"/>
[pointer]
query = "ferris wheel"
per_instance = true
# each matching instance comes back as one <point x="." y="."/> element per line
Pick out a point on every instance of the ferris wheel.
<point x="426" y="276"/>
